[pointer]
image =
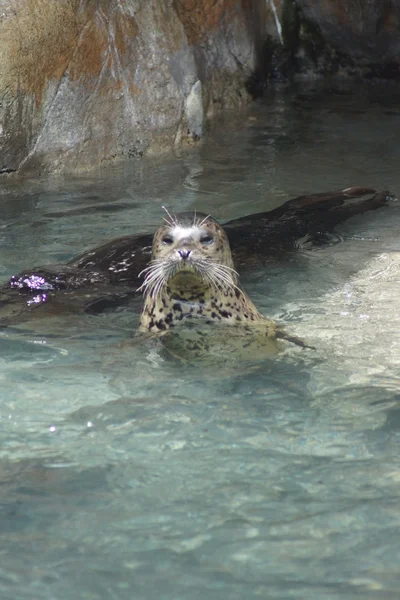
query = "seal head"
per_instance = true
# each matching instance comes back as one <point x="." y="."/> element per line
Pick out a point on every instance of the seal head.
<point x="191" y="275"/>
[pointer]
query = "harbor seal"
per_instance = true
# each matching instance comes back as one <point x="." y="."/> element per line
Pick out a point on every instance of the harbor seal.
<point x="191" y="280"/>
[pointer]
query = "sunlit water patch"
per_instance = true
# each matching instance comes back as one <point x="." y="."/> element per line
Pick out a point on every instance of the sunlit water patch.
<point x="128" y="475"/>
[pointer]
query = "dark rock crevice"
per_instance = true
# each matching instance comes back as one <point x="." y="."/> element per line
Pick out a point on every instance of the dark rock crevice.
<point x="322" y="38"/>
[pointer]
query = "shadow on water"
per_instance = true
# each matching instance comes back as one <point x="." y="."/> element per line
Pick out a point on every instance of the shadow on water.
<point x="125" y="475"/>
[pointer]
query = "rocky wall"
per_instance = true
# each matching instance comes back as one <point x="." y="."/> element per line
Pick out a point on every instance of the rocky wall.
<point x="366" y="30"/>
<point x="84" y="82"/>
<point x="358" y="38"/>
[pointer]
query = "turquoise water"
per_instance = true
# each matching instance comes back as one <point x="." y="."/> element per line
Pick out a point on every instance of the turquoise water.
<point x="124" y="476"/>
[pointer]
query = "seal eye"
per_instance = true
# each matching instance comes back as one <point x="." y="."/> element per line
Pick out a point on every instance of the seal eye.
<point x="207" y="240"/>
<point x="167" y="240"/>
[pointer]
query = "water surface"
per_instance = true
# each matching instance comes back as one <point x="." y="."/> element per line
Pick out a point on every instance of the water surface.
<point x="124" y="476"/>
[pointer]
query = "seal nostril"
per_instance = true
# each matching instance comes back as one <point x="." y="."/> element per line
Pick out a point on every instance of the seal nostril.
<point x="184" y="253"/>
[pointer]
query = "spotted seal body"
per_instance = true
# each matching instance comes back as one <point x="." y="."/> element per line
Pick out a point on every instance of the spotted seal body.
<point x="191" y="276"/>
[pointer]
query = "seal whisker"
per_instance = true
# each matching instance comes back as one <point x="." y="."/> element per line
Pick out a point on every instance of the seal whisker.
<point x="158" y="273"/>
<point x="158" y="287"/>
<point x="172" y="222"/>
<point x="201" y="223"/>
<point x="213" y="263"/>
<point x="225" y="267"/>
<point x="231" y="285"/>
<point x="146" y="270"/>
<point x="151" y="270"/>
<point x="152" y="278"/>
<point x="220" y="273"/>
<point x="152" y="265"/>
<point x="215" y="277"/>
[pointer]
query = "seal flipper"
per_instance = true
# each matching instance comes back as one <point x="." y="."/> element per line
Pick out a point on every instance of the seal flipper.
<point x="282" y="335"/>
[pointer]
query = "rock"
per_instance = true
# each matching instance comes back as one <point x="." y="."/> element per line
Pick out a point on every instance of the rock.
<point x="83" y="83"/>
<point x="194" y="112"/>
<point x="361" y="37"/>
<point x="330" y="37"/>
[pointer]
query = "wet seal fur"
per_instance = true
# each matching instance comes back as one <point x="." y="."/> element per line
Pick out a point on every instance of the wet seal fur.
<point x="191" y="278"/>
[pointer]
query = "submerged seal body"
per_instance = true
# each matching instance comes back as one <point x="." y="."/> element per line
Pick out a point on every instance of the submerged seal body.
<point x="191" y="279"/>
